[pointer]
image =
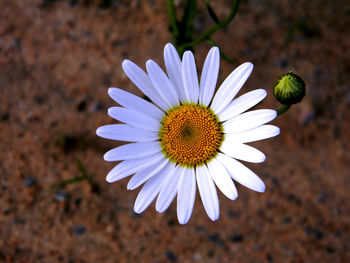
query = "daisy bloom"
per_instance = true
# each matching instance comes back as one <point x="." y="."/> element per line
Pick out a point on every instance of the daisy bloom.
<point x="188" y="136"/>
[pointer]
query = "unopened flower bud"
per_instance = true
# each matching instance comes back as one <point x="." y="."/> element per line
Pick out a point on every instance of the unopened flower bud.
<point x="289" y="89"/>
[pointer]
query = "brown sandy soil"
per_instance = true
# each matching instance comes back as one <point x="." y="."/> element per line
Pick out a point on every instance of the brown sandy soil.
<point x="57" y="59"/>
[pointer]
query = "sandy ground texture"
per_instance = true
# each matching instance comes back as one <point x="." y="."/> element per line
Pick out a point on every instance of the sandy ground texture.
<point x="57" y="59"/>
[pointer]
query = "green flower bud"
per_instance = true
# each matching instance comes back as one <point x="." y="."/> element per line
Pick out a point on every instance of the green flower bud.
<point x="289" y="89"/>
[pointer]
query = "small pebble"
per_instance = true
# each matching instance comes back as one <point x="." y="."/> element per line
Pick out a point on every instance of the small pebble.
<point x="282" y="63"/>
<point x="329" y="249"/>
<point x="294" y="199"/>
<point x="72" y="3"/>
<point x="275" y="181"/>
<point x="269" y="257"/>
<point x="45" y="3"/>
<point x="5" y="117"/>
<point x="198" y="25"/>
<point x="39" y="100"/>
<point x="97" y="106"/>
<point x="308" y="117"/>
<point x="61" y="196"/>
<point x="16" y="42"/>
<point x="7" y="211"/>
<point x="107" y="78"/>
<point x="171" y="222"/>
<point x="29" y="181"/>
<point x="233" y="214"/>
<point x="81" y="106"/>
<point x="287" y="220"/>
<point x="216" y="239"/>
<point x="171" y="256"/>
<point x="317" y="234"/>
<point x="197" y="257"/>
<point x="336" y="130"/>
<point x="67" y="143"/>
<point x="337" y="233"/>
<point x="211" y="253"/>
<point x="322" y="197"/>
<point x="237" y="238"/>
<point x="104" y="4"/>
<point x="348" y="97"/>
<point x="18" y="221"/>
<point x="95" y="188"/>
<point x="77" y="201"/>
<point x="79" y="230"/>
<point x="118" y="42"/>
<point x="201" y="229"/>
<point x="266" y="175"/>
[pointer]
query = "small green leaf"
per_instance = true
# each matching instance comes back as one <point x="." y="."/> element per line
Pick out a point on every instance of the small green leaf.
<point x="211" y="12"/>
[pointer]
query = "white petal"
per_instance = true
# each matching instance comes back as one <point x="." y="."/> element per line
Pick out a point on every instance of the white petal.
<point x="242" y="174"/>
<point x="140" y="177"/>
<point x="131" y="101"/>
<point x="143" y="82"/>
<point x="134" y="118"/>
<point x="169" y="188"/>
<point x="186" y="195"/>
<point x="208" y="192"/>
<point x="190" y="77"/>
<point x="149" y="191"/>
<point x="209" y="76"/>
<point x="242" y="103"/>
<point x="172" y="63"/>
<point x="124" y="132"/>
<point x="222" y="179"/>
<point x="230" y="87"/>
<point x="161" y="83"/>
<point x="249" y="120"/>
<point x="132" y="151"/>
<point x="259" y="133"/>
<point x="242" y="152"/>
<point x="129" y="167"/>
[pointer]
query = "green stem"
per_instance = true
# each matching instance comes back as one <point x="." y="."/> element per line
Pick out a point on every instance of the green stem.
<point x="283" y="109"/>
<point x="76" y="179"/>
<point x="185" y="26"/>
<point x="172" y="17"/>
<point x="188" y="18"/>
<point x="214" y="28"/>
<point x="71" y="181"/>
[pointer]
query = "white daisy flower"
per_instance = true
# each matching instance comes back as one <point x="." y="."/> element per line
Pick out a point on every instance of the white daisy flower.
<point x="189" y="136"/>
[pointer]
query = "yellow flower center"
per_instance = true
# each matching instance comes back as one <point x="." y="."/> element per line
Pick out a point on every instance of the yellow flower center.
<point x="190" y="135"/>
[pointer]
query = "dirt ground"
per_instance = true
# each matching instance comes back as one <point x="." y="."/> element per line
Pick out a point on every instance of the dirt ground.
<point x="57" y="59"/>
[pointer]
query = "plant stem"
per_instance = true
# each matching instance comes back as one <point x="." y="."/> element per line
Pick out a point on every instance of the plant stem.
<point x="188" y="18"/>
<point x="76" y="179"/>
<point x="214" y="28"/>
<point x="283" y="109"/>
<point x="185" y="26"/>
<point x="172" y="17"/>
<point x="71" y="181"/>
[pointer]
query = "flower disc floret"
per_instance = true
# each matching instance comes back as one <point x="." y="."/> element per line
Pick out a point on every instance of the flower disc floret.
<point x="190" y="135"/>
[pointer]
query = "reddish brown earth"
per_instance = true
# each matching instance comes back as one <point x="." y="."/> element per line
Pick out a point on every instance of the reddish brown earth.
<point x="57" y="59"/>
